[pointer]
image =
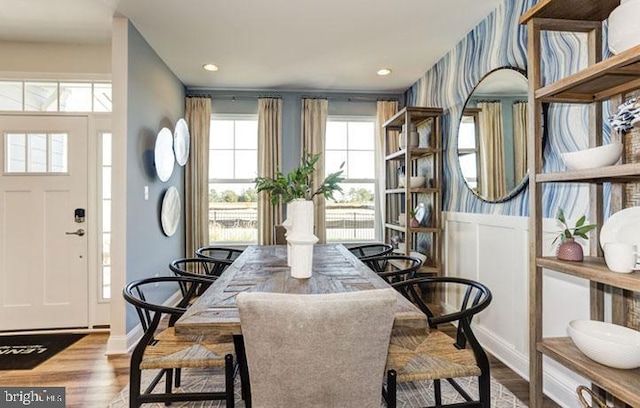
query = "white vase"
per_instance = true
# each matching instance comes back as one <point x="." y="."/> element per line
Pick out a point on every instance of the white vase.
<point x="300" y="238"/>
<point x="624" y="26"/>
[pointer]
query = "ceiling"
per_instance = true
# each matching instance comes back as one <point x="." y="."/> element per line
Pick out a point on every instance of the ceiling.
<point x="335" y="45"/>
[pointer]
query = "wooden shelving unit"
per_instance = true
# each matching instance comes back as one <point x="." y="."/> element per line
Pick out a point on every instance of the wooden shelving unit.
<point x="599" y="82"/>
<point x="427" y="157"/>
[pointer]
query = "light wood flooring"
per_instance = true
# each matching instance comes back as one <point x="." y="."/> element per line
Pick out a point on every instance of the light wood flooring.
<point x="93" y="380"/>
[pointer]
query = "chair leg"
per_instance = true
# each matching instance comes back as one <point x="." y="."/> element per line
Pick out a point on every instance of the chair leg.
<point x="177" y="377"/>
<point x="229" y="385"/>
<point x="134" y="388"/>
<point x="168" y="383"/>
<point x="437" y="392"/>
<point x="391" y="389"/>
<point x="238" y="343"/>
<point x="484" y="389"/>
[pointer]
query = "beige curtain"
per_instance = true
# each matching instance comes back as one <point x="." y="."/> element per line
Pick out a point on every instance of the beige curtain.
<point x="269" y="161"/>
<point x="384" y="111"/>
<point x="314" y="124"/>
<point x="520" y="140"/>
<point x="196" y="201"/>
<point x="491" y="150"/>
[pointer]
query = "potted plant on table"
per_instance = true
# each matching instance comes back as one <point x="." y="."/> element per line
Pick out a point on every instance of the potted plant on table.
<point x="296" y="189"/>
<point x="569" y="249"/>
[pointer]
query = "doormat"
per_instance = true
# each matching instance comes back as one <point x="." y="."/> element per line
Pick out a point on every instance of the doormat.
<point x="25" y="352"/>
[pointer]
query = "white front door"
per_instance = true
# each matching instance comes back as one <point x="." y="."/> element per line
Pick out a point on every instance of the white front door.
<point x="43" y="254"/>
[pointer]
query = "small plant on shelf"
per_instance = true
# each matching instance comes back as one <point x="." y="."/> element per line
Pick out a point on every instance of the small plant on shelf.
<point x="569" y="249"/>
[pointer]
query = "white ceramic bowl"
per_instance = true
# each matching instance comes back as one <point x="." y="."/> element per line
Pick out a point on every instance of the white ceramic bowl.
<point x="417" y="181"/>
<point x="624" y="26"/>
<point x="593" y="158"/>
<point x="608" y="344"/>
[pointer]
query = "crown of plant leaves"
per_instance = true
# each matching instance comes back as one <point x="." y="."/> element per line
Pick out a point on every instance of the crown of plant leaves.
<point x="579" y="230"/>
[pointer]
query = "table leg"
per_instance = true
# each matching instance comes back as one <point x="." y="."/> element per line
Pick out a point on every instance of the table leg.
<point x="238" y="343"/>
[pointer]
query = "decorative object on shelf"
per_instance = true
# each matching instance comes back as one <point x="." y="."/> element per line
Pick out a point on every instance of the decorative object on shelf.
<point x="624" y="26"/>
<point x="593" y="158"/>
<point x="414" y="136"/>
<point x="401" y="175"/>
<point x="414" y="223"/>
<point x="596" y="402"/>
<point x="627" y="116"/>
<point x="170" y="211"/>
<point x="422" y="214"/>
<point x="296" y="189"/>
<point x="414" y="181"/>
<point x="181" y="142"/>
<point x="569" y="249"/>
<point x="163" y="155"/>
<point x="622" y="226"/>
<point x="621" y="257"/>
<point x="606" y="343"/>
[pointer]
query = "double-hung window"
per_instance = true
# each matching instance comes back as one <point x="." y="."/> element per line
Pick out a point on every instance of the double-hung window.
<point x="233" y="166"/>
<point x="351" y="141"/>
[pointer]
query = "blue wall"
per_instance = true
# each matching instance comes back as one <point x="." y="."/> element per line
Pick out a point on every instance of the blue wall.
<point x="499" y="40"/>
<point x="156" y="99"/>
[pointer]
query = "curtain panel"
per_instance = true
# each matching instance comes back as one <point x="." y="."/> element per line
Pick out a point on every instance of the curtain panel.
<point x="491" y="150"/>
<point x="314" y="125"/>
<point x="269" y="162"/>
<point x="198" y="117"/>
<point x="520" y="139"/>
<point x="384" y="111"/>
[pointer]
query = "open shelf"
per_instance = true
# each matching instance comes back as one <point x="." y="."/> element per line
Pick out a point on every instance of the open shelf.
<point x="594" y="269"/>
<point x="416" y="153"/>
<point x="418" y="115"/>
<point x="571" y="10"/>
<point x="617" y="74"/>
<point x="621" y="383"/>
<point x="620" y="173"/>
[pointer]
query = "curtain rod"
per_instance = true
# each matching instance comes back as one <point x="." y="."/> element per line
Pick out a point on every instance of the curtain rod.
<point x="234" y="97"/>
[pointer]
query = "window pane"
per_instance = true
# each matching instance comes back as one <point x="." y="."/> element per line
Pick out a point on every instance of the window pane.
<point x="106" y="215"/>
<point x="336" y="138"/>
<point x="102" y="101"/>
<point x="246" y="164"/>
<point x="233" y="212"/>
<point x="10" y="96"/>
<point x="247" y="134"/>
<point x="221" y="164"/>
<point x="58" y="153"/>
<point x="106" y="282"/>
<point x="37" y="148"/>
<point x="41" y="96"/>
<point x="467" y="133"/>
<point x="361" y="165"/>
<point x="352" y="217"/>
<point x="332" y="161"/>
<point x="75" y="97"/>
<point x="469" y="169"/>
<point x="221" y="134"/>
<point x="361" y="135"/>
<point x="106" y="149"/>
<point x="106" y="182"/>
<point x="16" y="152"/>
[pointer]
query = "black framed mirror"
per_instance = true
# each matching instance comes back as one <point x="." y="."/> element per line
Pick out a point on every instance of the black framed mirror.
<point x="492" y="135"/>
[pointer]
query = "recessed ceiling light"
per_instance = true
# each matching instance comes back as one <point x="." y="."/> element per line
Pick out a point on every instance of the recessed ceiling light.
<point x="384" y="71"/>
<point x="210" y="67"/>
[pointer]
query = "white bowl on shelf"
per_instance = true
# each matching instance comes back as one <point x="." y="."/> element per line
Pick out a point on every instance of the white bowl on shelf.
<point x="417" y="181"/>
<point x="593" y="158"/>
<point x="624" y="26"/>
<point x="606" y="343"/>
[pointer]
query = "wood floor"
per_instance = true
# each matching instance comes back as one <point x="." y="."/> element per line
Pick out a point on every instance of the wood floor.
<point x="93" y="380"/>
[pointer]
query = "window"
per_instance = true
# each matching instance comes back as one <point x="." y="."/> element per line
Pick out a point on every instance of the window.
<point x="233" y="166"/>
<point x="105" y="276"/>
<point x="351" y="141"/>
<point x="54" y="96"/>
<point x="35" y="152"/>
<point x="468" y="147"/>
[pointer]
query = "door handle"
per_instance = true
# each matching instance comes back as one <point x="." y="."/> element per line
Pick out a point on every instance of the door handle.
<point x="79" y="232"/>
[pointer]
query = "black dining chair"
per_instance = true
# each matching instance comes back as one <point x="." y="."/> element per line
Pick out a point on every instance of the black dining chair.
<point x="367" y="250"/>
<point x="394" y="268"/>
<point x="432" y="355"/>
<point x="197" y="267"/>
<point x="169" y="353"/>
<point x="224" y="255"/>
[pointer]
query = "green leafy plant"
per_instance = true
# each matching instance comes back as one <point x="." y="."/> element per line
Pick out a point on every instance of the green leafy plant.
<point x="299" y="182"/>
<point x="579" y="230"/>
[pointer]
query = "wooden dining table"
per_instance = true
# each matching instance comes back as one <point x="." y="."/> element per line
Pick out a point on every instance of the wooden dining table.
<point x="264" y="269"/>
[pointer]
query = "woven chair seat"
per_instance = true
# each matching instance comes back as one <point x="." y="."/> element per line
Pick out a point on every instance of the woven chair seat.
<point x="171" y="351"/>
<point x="428" y="355"/>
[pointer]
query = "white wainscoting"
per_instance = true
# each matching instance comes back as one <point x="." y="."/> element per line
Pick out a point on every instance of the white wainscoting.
<point x="493" y="249"/>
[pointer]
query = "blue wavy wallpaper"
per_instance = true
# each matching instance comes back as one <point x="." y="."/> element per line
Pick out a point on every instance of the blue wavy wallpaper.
<point x="498" y="41"/>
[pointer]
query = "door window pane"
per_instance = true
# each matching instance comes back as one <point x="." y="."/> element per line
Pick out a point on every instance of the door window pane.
<point x="16" y="152"/>
<point x="102" y="101"/>
<point x="41" y="96"/>
<point x="75" y="97"/>
<point x="36" y="152"/>
<point x="10" y="96"/>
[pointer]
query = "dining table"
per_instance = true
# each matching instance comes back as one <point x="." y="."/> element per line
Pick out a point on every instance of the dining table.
<point x="263" y="268"/>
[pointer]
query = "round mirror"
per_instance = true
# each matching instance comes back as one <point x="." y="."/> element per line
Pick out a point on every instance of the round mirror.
<point x="492" y="136"/>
